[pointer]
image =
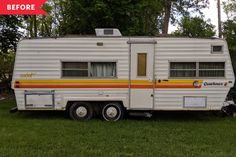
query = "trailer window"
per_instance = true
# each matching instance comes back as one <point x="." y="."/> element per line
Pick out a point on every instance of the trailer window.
<point x="211" y="69"/>
<point x="182" y="69"/>
<point x="108" y="31"/>
<point x="217" y="49"/>
<point x="142" y="64"/>
<point x="89" y="69"/>
<point x="75" y="69"/>
<point x="103" y="69"/>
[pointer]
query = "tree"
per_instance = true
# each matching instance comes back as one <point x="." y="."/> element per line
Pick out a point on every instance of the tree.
<point x="229" y="33"/>
<point x="173" y="9"/>
<point x="132" y="17"/>
<point x="45" y="22"/>
<point x="195" y="27"/>
<point x="10" y="32"/>
<point x="230" y="9"/>
<point x="229" y="26"/>
<point x="41" y="25"/>
<point x="31" y="21"/>
<point x="6" y="64"/>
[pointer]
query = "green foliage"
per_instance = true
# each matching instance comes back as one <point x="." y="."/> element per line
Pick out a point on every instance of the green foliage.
<point x="45" y="23"/>
<point x="195" y="27"/>
<point x="6" y="67"/>
<point x="182" y="8"/>
<point x="9" y="32"/>
<point x="9" y="37"/>
<point x="41" y="25"/>
<point x="174" y="10"/>
<point x="230" y="9"/>
<point x="132" y="17"/>
<point x="229" y="32"/>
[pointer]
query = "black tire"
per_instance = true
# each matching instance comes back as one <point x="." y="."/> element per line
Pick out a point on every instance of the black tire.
<point x="112" y="111"/>
<point x="81" y="111"/>
<point x="219" y="114"/>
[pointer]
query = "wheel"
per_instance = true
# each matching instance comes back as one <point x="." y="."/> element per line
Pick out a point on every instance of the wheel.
<point x="81" y="111"/>
<point x="219" y="114"/>
<point x="112" y="111"/>
<point x="228" y="110"/>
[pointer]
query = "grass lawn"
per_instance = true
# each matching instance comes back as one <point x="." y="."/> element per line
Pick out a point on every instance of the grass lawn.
<point x="170" y="134"/>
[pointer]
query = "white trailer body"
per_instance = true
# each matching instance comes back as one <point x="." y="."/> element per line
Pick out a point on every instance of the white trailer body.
<point x="142" y="73"/>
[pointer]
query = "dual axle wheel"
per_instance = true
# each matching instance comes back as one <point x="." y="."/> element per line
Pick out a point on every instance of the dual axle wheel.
<point x="111" y="111"/>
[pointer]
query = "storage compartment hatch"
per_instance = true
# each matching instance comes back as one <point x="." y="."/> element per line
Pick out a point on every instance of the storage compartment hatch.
<point x="39" y="99"/>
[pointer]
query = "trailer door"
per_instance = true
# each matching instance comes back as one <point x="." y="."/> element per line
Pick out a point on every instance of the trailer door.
<point x="141" y="81"/>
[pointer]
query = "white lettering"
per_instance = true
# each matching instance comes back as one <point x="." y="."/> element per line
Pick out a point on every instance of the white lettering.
<point x="20" y="6"/>
<point x="13" y="7"/>
<point x="32" y="6"/>
<point x="17" y="7"/>
<point x="8" y="7"/>
<point x="28" y="7"/>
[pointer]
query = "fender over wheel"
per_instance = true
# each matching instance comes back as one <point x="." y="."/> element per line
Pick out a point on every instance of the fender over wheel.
<point x="112" y="111"/>
<point x="81" y="111"/>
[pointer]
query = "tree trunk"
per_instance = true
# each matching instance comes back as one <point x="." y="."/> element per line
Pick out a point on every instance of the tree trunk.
<point x="42" y="26"/>
<point x="35" y="25"/>
<point x="31" y="26"/>
<point x="166" y="17"/>
<point x="219" y="19"/>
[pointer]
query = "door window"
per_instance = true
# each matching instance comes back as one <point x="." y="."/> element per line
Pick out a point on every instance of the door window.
<point x="142" y="64"/>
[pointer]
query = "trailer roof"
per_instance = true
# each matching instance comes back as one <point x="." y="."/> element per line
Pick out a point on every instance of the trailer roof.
<point x="93" y="36"/>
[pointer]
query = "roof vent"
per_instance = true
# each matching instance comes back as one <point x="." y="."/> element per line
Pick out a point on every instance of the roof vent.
<point x="107" y="32"/>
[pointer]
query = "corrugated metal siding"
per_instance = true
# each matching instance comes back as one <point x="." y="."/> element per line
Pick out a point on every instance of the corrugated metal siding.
<point x="43" y="56"/>
<point x="176" y="49"/>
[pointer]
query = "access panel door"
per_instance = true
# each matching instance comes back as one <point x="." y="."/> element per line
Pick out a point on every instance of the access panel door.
<point x="141" y="75"/>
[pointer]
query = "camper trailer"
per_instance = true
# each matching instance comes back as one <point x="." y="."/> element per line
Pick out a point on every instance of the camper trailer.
<point x="110" y="74"/>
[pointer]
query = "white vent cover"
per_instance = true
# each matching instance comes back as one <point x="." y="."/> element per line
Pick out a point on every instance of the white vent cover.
<point x="107" y="32"/>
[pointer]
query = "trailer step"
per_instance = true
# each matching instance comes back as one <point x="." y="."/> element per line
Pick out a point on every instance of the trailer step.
<point x="13" y="110"/>
<point x="141" y="114"/>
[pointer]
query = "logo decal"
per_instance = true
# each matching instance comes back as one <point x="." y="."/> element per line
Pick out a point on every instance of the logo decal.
<point x="205" y="84"/>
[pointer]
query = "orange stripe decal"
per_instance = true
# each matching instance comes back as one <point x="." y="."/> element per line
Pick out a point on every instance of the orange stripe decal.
<point x="103" y="84"/>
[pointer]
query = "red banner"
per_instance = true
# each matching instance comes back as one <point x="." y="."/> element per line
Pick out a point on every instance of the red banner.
<point x="22" y="7"/>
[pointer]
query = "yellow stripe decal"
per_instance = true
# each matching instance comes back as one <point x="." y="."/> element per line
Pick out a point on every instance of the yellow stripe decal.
<point x="107" y="84"/>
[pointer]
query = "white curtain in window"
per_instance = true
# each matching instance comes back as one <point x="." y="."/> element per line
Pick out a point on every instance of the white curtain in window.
<point x="103" y="69"/>
<point x="182" y="69"/>
<point x="211" y="69"/>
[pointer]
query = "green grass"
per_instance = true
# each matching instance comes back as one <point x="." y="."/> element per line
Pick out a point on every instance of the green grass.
<point x="53" y="134"/>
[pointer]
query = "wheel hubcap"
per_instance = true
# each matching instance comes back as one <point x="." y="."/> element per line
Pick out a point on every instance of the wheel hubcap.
<point x="112" y="112"/>
<point x="81" y="111"/>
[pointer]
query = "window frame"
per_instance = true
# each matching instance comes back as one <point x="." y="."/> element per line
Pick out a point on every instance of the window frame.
<point x="146" y="57"/>
<point x="217" y="52"/>
<point x="108" y="31"/>
<point x="89" y="69"/>
<point x="182" y="69"/>
<point x="211" y="70"/>
<point x="197" y="70"/>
